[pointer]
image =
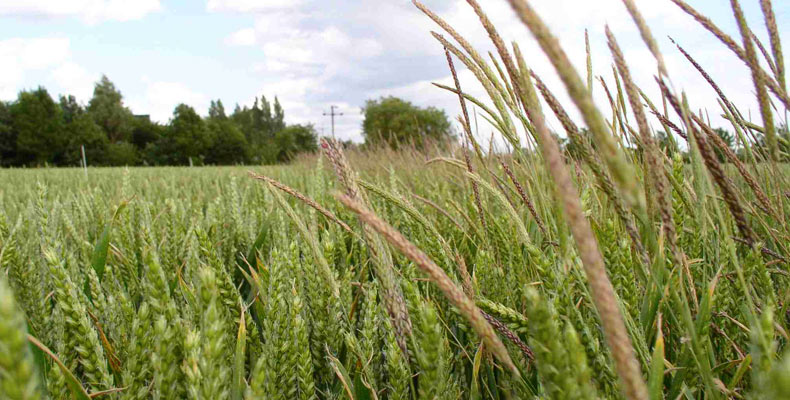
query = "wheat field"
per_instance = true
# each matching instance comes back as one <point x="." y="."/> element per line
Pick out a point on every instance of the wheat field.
<point x="627" y="268"/>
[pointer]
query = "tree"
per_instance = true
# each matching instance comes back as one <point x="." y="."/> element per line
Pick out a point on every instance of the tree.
<point x="7" y="137"/>
<point x="70" y="107"/>
<point x="186" y="138"/>
<point x="121" y="154"/>
<point x="394" y="122"/>
<point x="278" y="121"/>
<point x="145" y="132"/>
<point x="728" y="138"/>
<point x="82" y="131"/>
<point x="295" y="139"/>
<point x="38" y="125"/>
<point x="216" y="110"/>
<point x="664" y="142"/>
<point x="107" y="109"/>
<point x="229" y="146"/>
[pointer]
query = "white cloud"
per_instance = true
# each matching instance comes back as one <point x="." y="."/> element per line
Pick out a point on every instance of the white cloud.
<point x="246" y="6"/>
<point x="161" y="98"/>
<point x="21" y="56"/>
<point x="75" y="80"/>
<point x="244" y="37"/>
<point x="91" y="11"/>
<point x="35" y="53"/>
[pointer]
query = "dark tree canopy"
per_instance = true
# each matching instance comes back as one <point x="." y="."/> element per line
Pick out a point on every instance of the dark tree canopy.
<point x="37" y="130"/>
<point x="7" y="136"/>
<point x="394" y="122"/>
<point x="228" y="144"/>
<point x="107" y="109"/>
<point x="81" y="132"/>
<point x="187" y="137"/>
<point x="295" y="139"/>
<point x="37" y="122"/>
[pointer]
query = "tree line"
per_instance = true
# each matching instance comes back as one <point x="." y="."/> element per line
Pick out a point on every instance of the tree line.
<point x="36" y="130"/>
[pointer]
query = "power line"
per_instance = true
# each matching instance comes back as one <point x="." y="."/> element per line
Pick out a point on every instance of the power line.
<point x="332" y="114"/>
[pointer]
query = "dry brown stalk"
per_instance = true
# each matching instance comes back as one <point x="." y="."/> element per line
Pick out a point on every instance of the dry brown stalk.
<point x="776" y="43"/>
<point x="763" y="249"/>
<point x="766" y="56"/>
<point x="710" y="81"/>
<point x="615" y="114"/>
<point x="510" y="335"/>
<point x="502" y="186"/>
<point x="589" y="61"/>
<point x="478" y="60"/>
<point x="466" y="281"/>
<point x="777" y="90"/>
<point x="647" y="37"/>
<point x="342" y="170"/>
<point x="712" y="163"/>
<point x="525" y="199"/>
<point x="455" y="295"/>
<point x="504" y="54"/>
<point x="612" y="155"/>
<point x="468" y="131"/>
<point x="304" y="199"/>
<point x="439" y="209"/>
<point x="626" y="364"/>
<point x="664" y="120"/>
<point x="599" y="170"/>
<point x="382" y="264"/>
<point x="747" y="176"/>
<point x="759" y="78"/>
<point x="656" y="170"/>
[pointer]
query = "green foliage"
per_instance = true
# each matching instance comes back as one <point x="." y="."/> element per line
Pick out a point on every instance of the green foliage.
<point x="215" y="286"/>
<point x="121" y="154"/>
<point x="37" y="124"/>
<point x="295" y="139"/>
<point x="186" y="138"/>
<point x="228" y="144"/>
<point x="7" y="136"/>
<point x="36" y="131"/>
<point x="145" y="133"/>
<point x="20" y="380"/>
<point x="395" y="122"/>
<point x="172" y="293"/>
<point x="107" y="110"/>
<point x="81" y="131"/>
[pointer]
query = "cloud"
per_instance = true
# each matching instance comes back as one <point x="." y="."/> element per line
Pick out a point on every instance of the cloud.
<point x="247" y="6"/>
<point x="22" y="56"/>
<point x="160" y="99"/>
<point x="90" y="11"/>
<point x="244" y="37"/>
<point x="75" y="80"/>
<point x="315" y="54"/>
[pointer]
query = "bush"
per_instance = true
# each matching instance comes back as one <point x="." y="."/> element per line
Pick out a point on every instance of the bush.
<point x="122" y="153"/>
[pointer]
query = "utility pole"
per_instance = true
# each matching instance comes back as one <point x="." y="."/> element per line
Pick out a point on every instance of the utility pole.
<point x="332" y="114"/>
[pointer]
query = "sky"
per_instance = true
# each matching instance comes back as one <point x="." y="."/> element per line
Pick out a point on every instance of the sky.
<point x="312" y="54"/>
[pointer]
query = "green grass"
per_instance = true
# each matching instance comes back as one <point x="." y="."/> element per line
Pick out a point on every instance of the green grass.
<point x="178" y="249"/>
<point x="647" y="277"/>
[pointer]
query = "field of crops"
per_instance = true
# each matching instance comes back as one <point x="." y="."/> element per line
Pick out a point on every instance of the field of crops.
<point x="621" y="270"/>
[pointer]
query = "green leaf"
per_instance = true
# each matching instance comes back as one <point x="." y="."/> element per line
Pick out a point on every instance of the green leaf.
<point x="77" y="391"/>
<point x="99" y="258"/>
<point x="238" y="367"/>
<point x="341" y="373"/>
<point x="656" y="376"/>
